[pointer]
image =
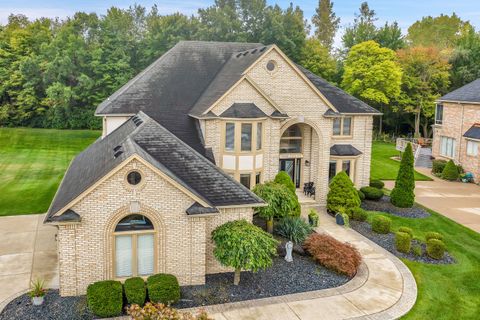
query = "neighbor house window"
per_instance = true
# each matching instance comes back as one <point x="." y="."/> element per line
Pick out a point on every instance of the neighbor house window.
<point x="230" y="136"/>
<point x="342" y="126"/>
<point x="439" y="114"/>
<point x="472" y="148"/>
<point x="246" y="138"/>
<point x="245" y="180"/>
<point x="134" y="247"/>
<point x="259" y="136"/>
<point x="447" y="147"/>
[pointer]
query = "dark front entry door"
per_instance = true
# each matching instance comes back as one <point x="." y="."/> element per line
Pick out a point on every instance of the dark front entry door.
<point x="292" y="167"/>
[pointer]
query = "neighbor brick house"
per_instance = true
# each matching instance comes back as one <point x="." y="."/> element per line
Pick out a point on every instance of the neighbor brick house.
<point x="456" y="133"/>
<point x="182" y="144"/>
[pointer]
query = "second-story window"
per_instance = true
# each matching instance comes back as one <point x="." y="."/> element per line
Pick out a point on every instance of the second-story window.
<point x="246" y="138"/>
<point x="230" y="136"/>
<point x="342" y="126"/>
<point x="259" y="136"/>
<point x="439" y="114"/>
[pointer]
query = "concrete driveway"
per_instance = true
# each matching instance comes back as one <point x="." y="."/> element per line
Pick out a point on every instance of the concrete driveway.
<point x="27" y="251"/>
<point x="455" y="200"/>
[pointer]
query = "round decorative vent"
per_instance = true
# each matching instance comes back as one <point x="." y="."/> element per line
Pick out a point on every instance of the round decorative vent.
<point x="134" y="178"/>
<point x="271" y="65"/>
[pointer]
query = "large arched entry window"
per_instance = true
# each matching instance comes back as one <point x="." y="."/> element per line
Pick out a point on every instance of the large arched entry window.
<point x="134" y="247"/>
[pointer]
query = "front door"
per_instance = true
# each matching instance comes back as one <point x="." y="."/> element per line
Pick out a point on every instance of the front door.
<point x="292" y="167"/>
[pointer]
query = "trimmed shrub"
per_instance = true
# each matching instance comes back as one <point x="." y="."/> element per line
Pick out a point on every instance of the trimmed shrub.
<point x="313" y="218"/>
<point x="372" y="193"/>
<point x="438" y="166"/>
<point x="402" y="195"/>
<point x="435" y="249"/>
<point x="433" y="235"/>
<point x="135" y="291"/>
<point x="381" y="224"/>
<point x="361" y="195"/>
<point x="284" y="179"/>
<point x="417" y="250"/>
<point x="377" y="184"/>
<point x="163" y="288"/>
<point x="161" y="311"/>
<point x="406" y="230"/>
<point x="105" y="298"/>
<point x="450" y="172"/>
<point x="342" y="193"/>
<point x="403" y="242"/>
<point x="294" y="229"/>
<point x="333" y="254"/>
<point x="359" y="214"/>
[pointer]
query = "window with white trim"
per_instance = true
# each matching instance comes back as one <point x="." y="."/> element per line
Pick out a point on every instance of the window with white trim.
<point x="447" y="147"/>
<point x="439" y="114"/>
<point x="472" y="148"/>
<point x="342" y="126"/>
<point x="134" y="243"/>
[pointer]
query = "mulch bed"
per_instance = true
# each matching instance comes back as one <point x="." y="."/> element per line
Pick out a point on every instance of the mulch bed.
<point x="301" y="275"/>
<point x="384" y="205"/>
<point x="387" y="241"/>
<point x="53" y="308"/>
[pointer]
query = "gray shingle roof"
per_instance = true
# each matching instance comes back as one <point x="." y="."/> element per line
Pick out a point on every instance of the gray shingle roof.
<point x="344" y="150"/>
<point x="341" y="100"/>
<point x="243" y="110"/>
<point x="144" y="136"/>
<point x="468" y="93"/>
<point x="473" y="132"/>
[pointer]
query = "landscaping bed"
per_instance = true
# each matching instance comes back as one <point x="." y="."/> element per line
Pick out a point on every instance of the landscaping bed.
<point x="303" y="274"/>
<point x="384" y="205"/>
<point x="54" y="308"/>
<point x="387" y="241"/>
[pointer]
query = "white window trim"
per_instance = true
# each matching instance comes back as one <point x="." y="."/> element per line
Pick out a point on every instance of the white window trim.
<point x="444" y="153"/>
<point x="476" y="146"/>
<point x="341" y="135"/>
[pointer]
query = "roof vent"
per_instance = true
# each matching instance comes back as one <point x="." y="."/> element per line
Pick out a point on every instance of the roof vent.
<point x="139" y="122"/>
<point x="238" y="55"/>
<point x="117" y="154"/>
<point x="117" y="148"/>
<point x="263" y="49"/>
<point x="254" y="50"/>
<point x="245" y="53"/>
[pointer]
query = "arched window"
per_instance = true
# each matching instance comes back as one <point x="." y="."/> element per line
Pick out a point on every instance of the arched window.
<point x="134" y="247"/>
<point x="291" y="141"/>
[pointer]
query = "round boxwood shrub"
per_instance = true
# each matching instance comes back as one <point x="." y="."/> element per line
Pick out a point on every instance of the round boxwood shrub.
<point x="359" y="214"/>
<point x="372" y="193"/>
<point x="438" y="166"/>
<point x="381" y="224"/>
<point x="433" y="235"/>
<point x="406" y="230"/>
<point x="135" y="291"/>
<point x="105" y="298"/>
<point x="361" y="195"/>
<point x="435" y="249"/>
<point x="342" y="193"/>
<point x="403" y="242"/>
<point x="163" y="288"/>
<point x="377" y="184"/>
<point x="450" y="172"/>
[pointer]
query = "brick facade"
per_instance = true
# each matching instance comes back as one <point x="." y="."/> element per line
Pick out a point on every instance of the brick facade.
<point x="457" y="119"/>
<point x="183" y="243"/>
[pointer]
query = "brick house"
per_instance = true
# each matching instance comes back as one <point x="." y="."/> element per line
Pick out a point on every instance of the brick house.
<point x="183" y="143"/>
<point x="456" y="133"/>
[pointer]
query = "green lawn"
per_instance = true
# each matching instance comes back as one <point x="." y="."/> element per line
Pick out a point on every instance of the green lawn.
<point x="32" y="163"/>
<point x="445" y="291"/>
<point x="383" y="167"/>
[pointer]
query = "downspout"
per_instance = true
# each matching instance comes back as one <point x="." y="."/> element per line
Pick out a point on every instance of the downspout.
<point x="461" y="134"/>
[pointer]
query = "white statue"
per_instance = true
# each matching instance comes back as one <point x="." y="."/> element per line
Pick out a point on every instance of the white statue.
<point x="289" y="248"/>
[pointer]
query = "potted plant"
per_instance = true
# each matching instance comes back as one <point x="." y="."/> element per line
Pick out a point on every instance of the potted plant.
<point x="38" y="292"/>
<point x="313" y="218"/>
<point x="342" y="218"/>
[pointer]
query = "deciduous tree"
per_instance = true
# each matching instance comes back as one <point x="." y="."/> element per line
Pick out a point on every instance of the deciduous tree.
<point x="326" y="23"/>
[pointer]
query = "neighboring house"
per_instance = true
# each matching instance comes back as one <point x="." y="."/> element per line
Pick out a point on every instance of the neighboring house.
<point x="183" y="142"/>
<point x="456" y="133"/>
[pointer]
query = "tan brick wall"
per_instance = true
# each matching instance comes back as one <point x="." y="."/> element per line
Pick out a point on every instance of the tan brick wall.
<point x="293" y="96"/>
<point x="457" y="119"/>
<point x="184" y="244"/>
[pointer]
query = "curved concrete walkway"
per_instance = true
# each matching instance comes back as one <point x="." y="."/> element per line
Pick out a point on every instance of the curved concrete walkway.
<point x="384" y="288"/>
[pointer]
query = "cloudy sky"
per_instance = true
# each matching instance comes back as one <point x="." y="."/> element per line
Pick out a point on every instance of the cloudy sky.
<point x="405" y="12"/>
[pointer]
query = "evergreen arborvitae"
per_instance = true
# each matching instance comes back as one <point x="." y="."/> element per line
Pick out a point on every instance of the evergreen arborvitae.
<point x="342" y="193"/>
<point x="402" y="194"/>
<point x="450" y="172"/>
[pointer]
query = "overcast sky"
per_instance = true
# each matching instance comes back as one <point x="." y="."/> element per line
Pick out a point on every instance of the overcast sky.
<point x="404" y="12"/>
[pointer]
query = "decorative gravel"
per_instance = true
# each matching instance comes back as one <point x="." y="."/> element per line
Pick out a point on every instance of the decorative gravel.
<point x="301" y="275"/>
<point x="53" y="308"/>
<point x="384" y="205"/>
<point x="387" y="241"/>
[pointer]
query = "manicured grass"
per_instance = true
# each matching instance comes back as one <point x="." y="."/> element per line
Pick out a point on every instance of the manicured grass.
<point x="383" y="167"/>
<point x="445" y="291"/>
<point x="32" y="164"/>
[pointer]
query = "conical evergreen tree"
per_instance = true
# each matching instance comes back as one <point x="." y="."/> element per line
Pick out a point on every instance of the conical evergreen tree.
<point x="342" y="193"/>
<point x="403" y="195"/>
